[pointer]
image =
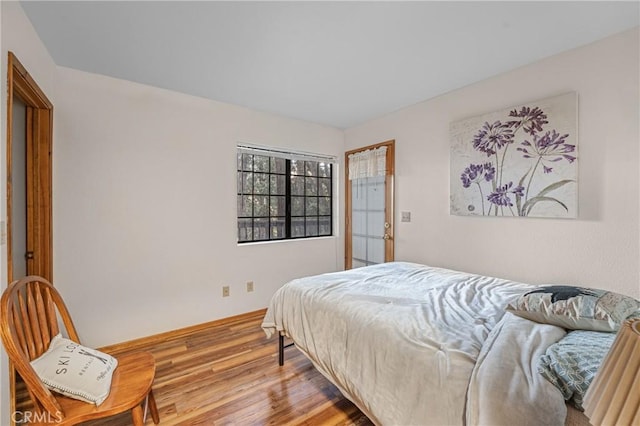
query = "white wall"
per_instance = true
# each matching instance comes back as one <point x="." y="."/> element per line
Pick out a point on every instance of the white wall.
<point x="601" y="248"/>
<point x="16" y="35"/>
<point x="145" y="208"/>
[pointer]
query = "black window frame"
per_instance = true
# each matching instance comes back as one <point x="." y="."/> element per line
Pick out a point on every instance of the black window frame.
<point x="297" y="174"/>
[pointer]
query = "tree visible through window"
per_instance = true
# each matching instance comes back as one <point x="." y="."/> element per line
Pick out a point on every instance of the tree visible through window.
<point x="280" y="198"/>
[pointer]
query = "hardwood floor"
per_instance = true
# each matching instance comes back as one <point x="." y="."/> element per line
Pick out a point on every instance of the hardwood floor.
<point x="228" y="374"/>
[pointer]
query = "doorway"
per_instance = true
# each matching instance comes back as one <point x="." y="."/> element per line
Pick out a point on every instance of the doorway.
<point x="369" y="205"/>
<point x="29" y="182"/>
<point x="19" y="188"/>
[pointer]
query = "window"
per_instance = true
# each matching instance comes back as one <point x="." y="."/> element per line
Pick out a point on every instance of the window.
<point x="283" y="196"/>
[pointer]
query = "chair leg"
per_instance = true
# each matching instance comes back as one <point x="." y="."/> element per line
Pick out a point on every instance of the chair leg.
<point x="153" y="408"/>
<point x="137" y="415"/>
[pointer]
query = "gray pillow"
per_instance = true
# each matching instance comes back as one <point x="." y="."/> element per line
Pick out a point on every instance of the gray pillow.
<point x="575" y="308"/>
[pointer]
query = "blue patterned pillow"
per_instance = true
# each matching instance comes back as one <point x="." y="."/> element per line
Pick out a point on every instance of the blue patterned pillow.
<point x="572" y="362"/>
<point x="575" y="308"/>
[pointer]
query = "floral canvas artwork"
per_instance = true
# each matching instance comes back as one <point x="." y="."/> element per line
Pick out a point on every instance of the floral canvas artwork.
<point x="521" y="161"/>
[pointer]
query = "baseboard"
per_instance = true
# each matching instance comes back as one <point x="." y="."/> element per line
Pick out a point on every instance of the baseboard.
<point x="162" y="337"/>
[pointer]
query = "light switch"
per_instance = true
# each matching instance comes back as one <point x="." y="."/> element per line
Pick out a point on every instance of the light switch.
<point x="406" y="217"/>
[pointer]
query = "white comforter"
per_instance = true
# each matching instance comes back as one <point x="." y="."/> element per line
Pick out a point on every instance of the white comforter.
<point x="400" y="340"/>
<point x="505" y="386"/>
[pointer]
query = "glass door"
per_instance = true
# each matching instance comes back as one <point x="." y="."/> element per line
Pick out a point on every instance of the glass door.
<point x="369" y="206"/>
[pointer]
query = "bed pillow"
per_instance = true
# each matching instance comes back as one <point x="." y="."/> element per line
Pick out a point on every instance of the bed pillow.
<point x="75" y="370"/>
<point x="572" y="362"/>
<point x="575" y="308"/>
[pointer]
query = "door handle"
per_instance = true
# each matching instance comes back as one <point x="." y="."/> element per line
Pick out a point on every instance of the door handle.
<point x="386" y="237"/>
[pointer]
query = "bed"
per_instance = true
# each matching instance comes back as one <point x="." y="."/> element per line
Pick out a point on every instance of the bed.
<point x="414" y="345"/>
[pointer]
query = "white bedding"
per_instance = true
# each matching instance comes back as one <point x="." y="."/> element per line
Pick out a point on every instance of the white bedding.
<point x="505" y="387"/>
<point x="400" y="340"/>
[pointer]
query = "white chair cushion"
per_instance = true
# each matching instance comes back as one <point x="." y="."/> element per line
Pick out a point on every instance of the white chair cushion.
<point x="75" y="370"/>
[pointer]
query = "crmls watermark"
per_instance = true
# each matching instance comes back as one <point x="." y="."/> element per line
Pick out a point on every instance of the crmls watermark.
<point x="25" y="417"/>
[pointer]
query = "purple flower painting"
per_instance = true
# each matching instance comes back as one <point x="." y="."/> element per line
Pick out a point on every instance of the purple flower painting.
<point x="521" y="161"/>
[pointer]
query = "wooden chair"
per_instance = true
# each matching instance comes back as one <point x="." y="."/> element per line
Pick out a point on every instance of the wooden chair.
<point x="30" y="310"/>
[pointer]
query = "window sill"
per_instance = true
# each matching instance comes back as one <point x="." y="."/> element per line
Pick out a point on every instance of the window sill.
<point x="294" y="240"/>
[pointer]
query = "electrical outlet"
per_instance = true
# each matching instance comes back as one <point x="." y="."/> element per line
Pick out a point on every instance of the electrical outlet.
<point x="225" y="291"/>
<point x="249" y="286"/>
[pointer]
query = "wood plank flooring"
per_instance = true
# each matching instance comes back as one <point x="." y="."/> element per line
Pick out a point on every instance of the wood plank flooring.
<point x="228" y="374"/>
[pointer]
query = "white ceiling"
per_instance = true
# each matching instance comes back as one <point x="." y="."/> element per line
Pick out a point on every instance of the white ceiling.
<point x="335" y="63"/>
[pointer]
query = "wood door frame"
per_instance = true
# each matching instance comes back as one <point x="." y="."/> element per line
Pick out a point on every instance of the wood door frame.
<point x="389" y="201"/>
<point x="39" y="168"/>
<point x="39" y="141"/>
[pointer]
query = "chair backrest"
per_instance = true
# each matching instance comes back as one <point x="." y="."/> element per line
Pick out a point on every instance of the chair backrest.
<point x="30" y="311"/>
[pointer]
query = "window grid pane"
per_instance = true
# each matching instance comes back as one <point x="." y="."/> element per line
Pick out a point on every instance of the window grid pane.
<point x="247" y="162"/>
<point x="274" y="206"/>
